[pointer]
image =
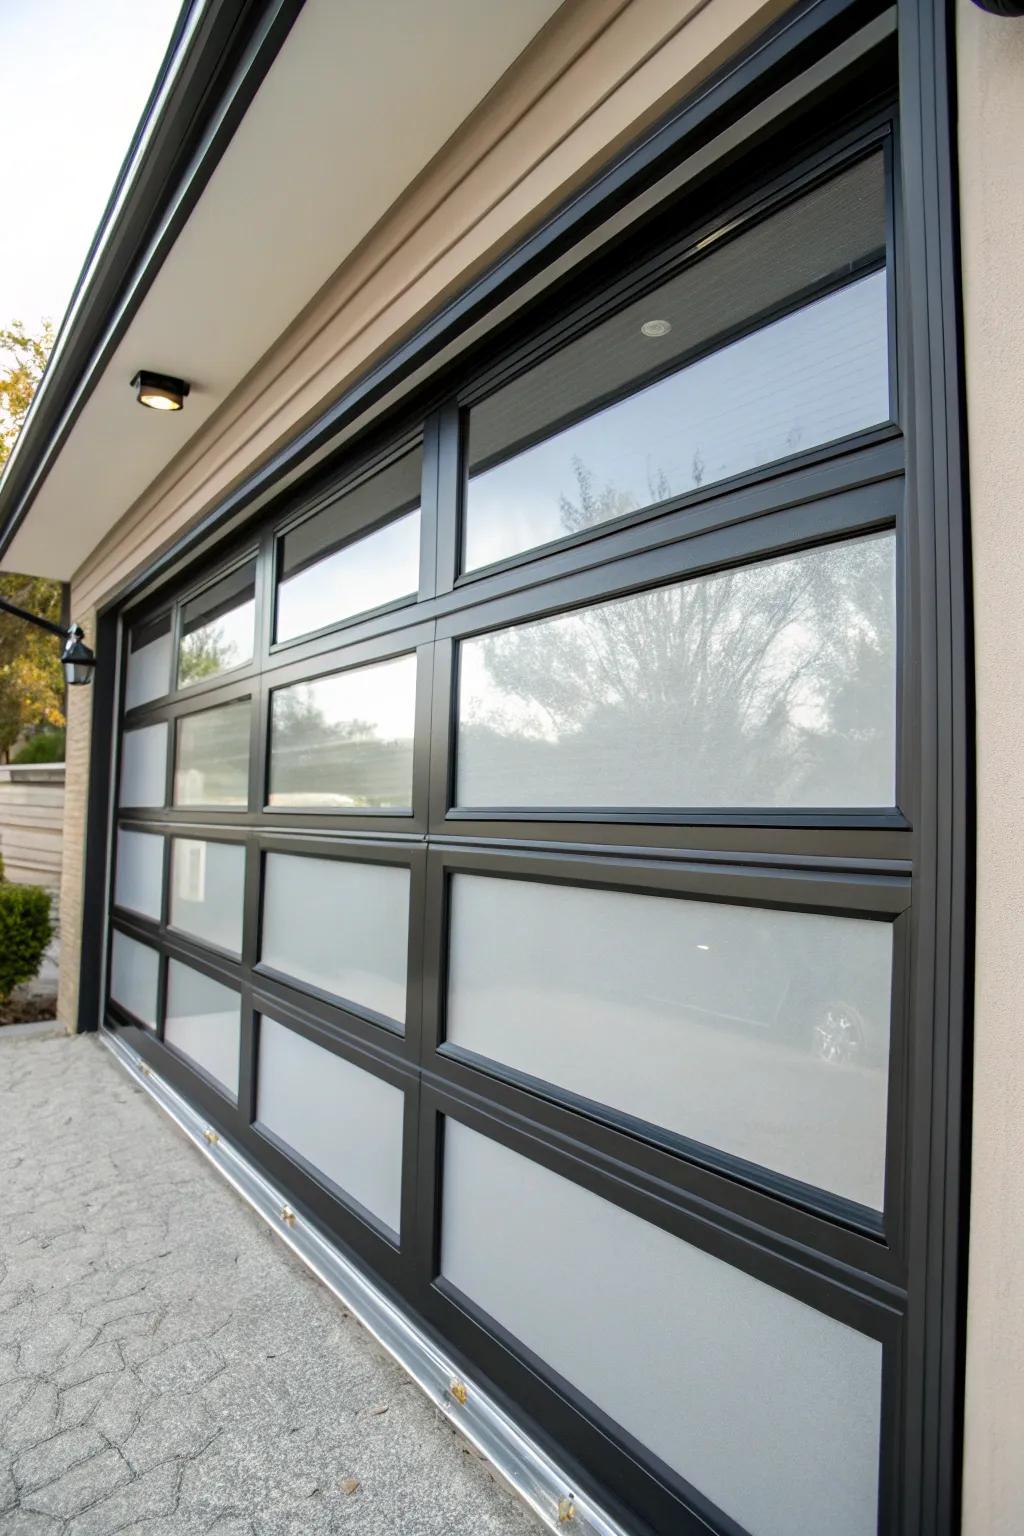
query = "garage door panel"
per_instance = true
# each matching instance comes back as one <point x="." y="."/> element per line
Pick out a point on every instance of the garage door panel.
<point x="770" y="1408"/>
<point x="761" y="1032"/>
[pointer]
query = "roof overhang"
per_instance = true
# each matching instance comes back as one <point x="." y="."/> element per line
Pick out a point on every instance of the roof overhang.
<point x="276" y="137"/>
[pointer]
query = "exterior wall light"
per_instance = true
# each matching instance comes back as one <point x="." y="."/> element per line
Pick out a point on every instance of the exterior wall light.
<point x="78" y="661"/>
<point x="159" y="391"/>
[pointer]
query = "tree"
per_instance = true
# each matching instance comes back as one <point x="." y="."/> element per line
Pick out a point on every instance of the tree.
<point x="31" y="682"/>
<point x="23" y="358"/>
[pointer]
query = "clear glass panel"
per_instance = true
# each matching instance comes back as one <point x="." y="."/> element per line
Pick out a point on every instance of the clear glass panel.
<point x="769" y="1408"/>
<point x="207" y="891"/>
<point x="144" y="766"/>
<point x="138" y="883"/>
<point x="341" y="926"/>
<point x="203" y="1023"/>
<point x="764" y="1033"/>
<point x="346" y="740"/>
<point x="212" y="759"/>
<point x="632" y="412"/>
<point x="148" y="672"/>
<point x="218" y="627"/>
<point x="341" y="1119"/>
<point x="769" y="685"/>
<point x="134" y="971"/>
<point x="330" y="570"/>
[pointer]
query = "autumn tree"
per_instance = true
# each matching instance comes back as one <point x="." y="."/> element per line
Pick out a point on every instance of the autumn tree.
<point x="31" y="682"/>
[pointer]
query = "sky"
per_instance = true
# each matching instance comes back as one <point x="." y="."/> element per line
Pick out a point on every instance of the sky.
<point x="74" y="78"/>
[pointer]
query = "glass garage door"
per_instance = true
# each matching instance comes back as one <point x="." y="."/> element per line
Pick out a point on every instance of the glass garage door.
<point x="513" y="858"/>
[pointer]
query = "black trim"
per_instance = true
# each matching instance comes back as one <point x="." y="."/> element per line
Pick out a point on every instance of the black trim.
<point x="897" y="1276"/>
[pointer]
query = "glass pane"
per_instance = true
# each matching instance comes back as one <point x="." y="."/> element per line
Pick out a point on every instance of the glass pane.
<point x="218" y="627"/>
<point x="346" y="740"/>
<point x="134" y="970"/>
<point x="340" y="926"/>
<point x="148" y="673"/>
<point x="203" y="1023"/>
<point x="144" y="766"/>
<point x="207" y="891"/>
<point x="764" y="1033"/>
<point x="652" y="404"/>
<point x="331" y="570"/>
<point x="212" y="762"/>
<point x="770" y="685"/>
<point x="341" y="1119"/>
<point x="769" y="1408"/>
<point x="140" y="867"/>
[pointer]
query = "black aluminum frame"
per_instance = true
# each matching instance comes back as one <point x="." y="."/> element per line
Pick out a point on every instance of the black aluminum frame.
<point x="899" y="1279"/>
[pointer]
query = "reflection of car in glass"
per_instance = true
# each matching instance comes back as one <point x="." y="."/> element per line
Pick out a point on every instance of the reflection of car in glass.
<point x="821" y="986"/>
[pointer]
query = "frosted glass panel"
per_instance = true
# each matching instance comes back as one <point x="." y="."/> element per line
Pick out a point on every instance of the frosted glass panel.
<point x="772" y="685"/>
<point x="203" y="1023"/>
<point x="346" y="740"/>
<point x="340" y="926"/>
<point x="212" y="762"/>
<point x="144" y="766"/>
<point x="207" y="891"/>
<point x="631" y="413"/>
<point x="134" y="969"/>
<point x="343" y="1120"/>
<point x="140" y="866"/>
<point x="330" y="570"/>
<point x="148" y="672"/>
<point x="764" y="1033"/>
<point x="218" y="627"/>
<point x="769" y="1408"/>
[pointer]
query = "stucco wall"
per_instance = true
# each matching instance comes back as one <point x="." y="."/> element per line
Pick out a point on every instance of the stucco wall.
<point x="991" y="91"/>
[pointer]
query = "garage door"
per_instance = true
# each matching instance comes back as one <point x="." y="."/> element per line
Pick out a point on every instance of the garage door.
<point x="512" y="856"/>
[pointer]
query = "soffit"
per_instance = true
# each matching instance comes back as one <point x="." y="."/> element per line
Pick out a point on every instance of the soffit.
<point x="359" y="100"/>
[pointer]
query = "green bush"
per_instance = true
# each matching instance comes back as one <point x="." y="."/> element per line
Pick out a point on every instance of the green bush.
<point x="44" y="747"/>
<point x="25" y="930"/>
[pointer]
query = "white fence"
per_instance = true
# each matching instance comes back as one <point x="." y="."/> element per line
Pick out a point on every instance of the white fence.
<point x="32" y="823"/>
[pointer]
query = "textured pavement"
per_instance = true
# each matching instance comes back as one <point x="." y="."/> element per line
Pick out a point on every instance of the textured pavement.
<point x="166" y="1366"/>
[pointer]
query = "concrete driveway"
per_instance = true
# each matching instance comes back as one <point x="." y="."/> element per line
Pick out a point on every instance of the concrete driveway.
<point x="166" y="1366"/>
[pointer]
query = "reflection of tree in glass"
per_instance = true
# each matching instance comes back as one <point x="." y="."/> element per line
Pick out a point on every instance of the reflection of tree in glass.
<point x="320" y="759"/>
<point x="205" y="653"/>
<point x="768" y="684"/>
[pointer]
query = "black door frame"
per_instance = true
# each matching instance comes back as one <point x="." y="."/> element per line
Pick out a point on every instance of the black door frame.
<point x="931" y="1408"/>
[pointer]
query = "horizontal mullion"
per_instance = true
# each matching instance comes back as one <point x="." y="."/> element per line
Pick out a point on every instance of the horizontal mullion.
<point x="217" y="964"/>
<point x="241" y="683"/>
<point x="848" y="1274"/>
<point x="327" y="1008"/>
<point x="847" y="464"/>
<point x="722" y="836"/>
<point x="381" y="1049"/>
<point x="682" y="554"/>
<point x="872" y="892"/>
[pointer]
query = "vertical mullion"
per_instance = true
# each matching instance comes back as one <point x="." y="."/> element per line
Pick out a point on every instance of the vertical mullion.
<point x="449" y="496"/>
<point x="429" y="506"/>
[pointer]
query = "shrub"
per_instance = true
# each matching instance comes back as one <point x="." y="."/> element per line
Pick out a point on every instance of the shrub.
<point x="25" y="930"/>
<point x="44" y="747"/>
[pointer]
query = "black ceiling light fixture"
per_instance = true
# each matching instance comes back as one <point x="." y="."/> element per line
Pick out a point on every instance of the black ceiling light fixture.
<point x="78" y="661"/>
<point x="159" y="391"/>
<point x="1001" y="7"/>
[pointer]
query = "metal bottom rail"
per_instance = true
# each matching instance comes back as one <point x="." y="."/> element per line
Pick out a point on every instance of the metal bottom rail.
<point x="518" y="1460"/>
